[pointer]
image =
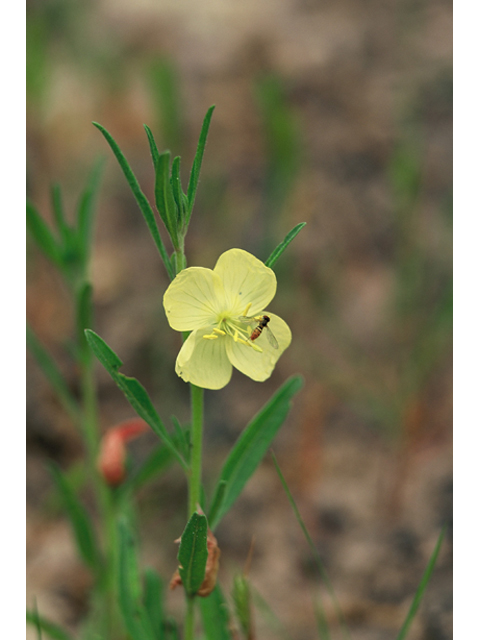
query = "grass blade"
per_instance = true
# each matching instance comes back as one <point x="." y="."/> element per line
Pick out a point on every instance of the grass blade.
<point x="316" y="555"/>
<point x="251" y="446"/>
<point x="421" y="587"/>
<point x="79" y="519"/>
<point x="276" y="253"/>
<point x="52" y="630"/>
<point x="53" y="375"/>
<point x="140" y="197"/>
<point x="197" y="163"/>
<point x="193" y="553"/>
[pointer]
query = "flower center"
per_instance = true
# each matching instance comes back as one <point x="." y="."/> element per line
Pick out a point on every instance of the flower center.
<point x="234" y="327"/>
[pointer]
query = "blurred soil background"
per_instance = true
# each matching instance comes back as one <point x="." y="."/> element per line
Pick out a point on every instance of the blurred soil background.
<point x="333" y="113"/>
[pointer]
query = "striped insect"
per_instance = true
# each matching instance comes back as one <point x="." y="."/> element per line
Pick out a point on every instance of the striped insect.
<point x="262" y="325"/>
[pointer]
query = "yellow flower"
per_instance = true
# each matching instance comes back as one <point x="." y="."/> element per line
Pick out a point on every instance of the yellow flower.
<point x="222" y="308"/>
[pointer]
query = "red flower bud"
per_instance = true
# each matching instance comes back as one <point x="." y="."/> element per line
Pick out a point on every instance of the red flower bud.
<point x="113" y="452"/>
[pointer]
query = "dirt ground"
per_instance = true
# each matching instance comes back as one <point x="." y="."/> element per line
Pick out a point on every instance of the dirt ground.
<point x="372" y="478"/>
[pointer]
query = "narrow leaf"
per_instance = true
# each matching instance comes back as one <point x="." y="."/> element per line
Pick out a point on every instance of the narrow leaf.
<point x="153" y="145"/>
<point x="140" y="197"/>
<point x="164" y="197"/>
<point x="215" y="616"/>
<point x="52" y="630"/>
<point x="197" y="163"/>
<point x="134" y="614"/>
<point x="153" y="601"/>
<point x="276" y="253"/>
<point x="158" y="460"/>
<point x="86" y="209"/>
<point x="192" y="554"/>
<point x="251" y="446"/>
<point x="134" y="392"/>
<point x="177" y="191"/>
<point x="79" y="519"/>
<point x="53" y="375"/>
<point x="218" y="500"/>
<point x="421" y="587"/>
<point x="316" y="555"/>
<point x="42" y="235"/>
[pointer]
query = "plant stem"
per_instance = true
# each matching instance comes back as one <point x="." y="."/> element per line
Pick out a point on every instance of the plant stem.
<point x="190" y="619"/>
<point x="195" y="478"/>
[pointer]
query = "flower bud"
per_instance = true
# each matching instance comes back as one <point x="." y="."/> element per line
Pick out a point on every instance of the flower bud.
<point x="113" y="452"/>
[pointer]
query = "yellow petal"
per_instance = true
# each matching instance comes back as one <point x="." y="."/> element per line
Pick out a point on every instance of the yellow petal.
<point x="245" y="280"/>
<point x="192" y="300"/>
<point x="259" y="366"/>
<point x="204" y="363"/>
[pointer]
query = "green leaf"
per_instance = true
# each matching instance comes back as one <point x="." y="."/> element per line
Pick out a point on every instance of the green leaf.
<point x="153" y="145"/>
<point x="140" y="197"/>
<point x="193" y="553"/>
<point x="153" y="602"/>
<point x="316" y="555"/>
<point x="276" y="253"/>
<point x="322" y="623"/>
<point x="53" y="375"/>
<point x="179" y="196"/>
<point x="79" y="519"/>
<point x="421" y="587"/>
<point x="218" y="500"/>
<point x="215" y="616"/>
<point x="105" y="355"/>
<point x="251" y="446"/>
<point x="52" y="630"/>
<point x="43" y="236"/>
<point x="134" y="392"/>
<point x="197" y="163"/>
<point x="164" y="197"/>
<point x="86" y="209"/>
<point x="134" y="613"/>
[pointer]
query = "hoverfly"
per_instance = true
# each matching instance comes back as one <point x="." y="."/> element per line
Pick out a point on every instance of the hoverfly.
<point x="262" y="324"/>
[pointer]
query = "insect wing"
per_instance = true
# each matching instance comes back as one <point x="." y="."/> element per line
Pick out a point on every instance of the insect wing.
<point x="271" y="338"/>
<point x="247" y="319"/>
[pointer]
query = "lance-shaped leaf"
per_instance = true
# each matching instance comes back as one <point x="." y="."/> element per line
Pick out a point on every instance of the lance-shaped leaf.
<point x="153" y="145"/>
<point x="134" y="613"/>
<point x="215" y="616"/>
<point x="180" y="198"/>
<point x="193" y="553"/>
<point x="43" y="236"/>
<point x="153" y="601"/>
<point x="140" y="197"/>
<point x="197" y="163"/>
<point x="250" y="448"/>
<point x="79" y="519"/>
<point x="277" y="252"/>
<point x="134" y="392"/>
<point x="164" y="197"/>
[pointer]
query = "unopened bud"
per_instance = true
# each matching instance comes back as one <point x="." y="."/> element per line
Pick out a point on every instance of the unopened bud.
<point x="113" y="452"/>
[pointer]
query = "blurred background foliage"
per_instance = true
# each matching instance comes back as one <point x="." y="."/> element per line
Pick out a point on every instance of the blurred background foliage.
<point x="333" y="113"/>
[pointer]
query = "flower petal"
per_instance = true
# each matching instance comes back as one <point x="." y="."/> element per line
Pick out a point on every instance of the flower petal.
<point x="255" y="365"/>
<point x="245" y="280"/>
<point x="192" y="299"/>
<point x="204" y="362"/>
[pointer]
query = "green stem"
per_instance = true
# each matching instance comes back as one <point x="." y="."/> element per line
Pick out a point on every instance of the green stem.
<point x="195" y="479"/>
<point x="190" y="619"/>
